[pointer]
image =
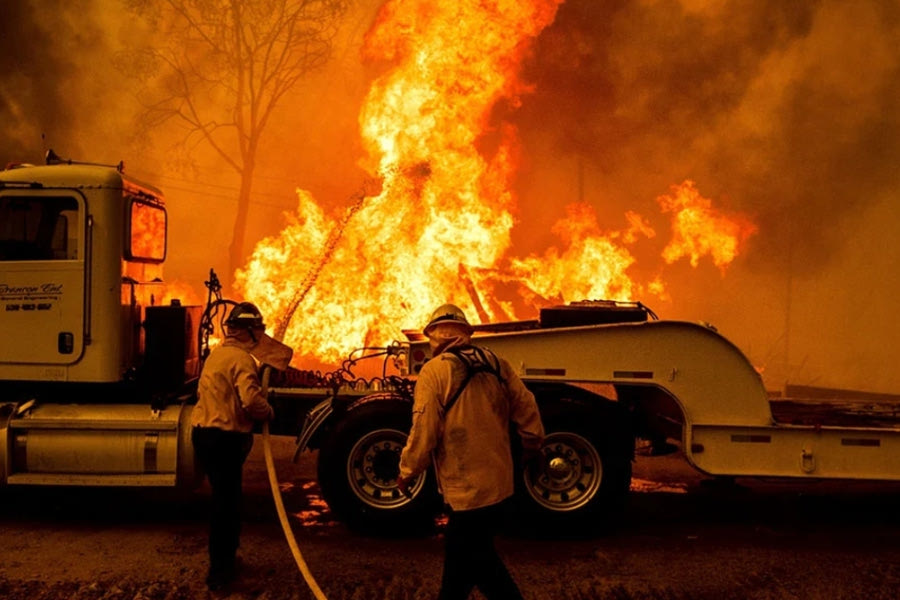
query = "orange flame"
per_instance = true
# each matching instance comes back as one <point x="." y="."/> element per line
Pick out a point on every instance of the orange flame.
<point x="181" y="292"/>
<point x="443" y="206"/>
<point x="699" y="230"/>
<point x="592" y="266"/>
<point x="438" y="229"/>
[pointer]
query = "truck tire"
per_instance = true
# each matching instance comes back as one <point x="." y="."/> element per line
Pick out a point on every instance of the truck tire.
<point x="358" y="466"/>
<point x="581" y="480"/>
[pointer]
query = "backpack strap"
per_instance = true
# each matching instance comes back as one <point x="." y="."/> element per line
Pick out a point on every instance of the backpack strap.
<point x="452" y="399"/>
<point x="475" y="360"/>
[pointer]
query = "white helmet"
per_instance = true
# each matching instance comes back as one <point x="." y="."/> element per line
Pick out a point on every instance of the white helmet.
<point x="448" y="313"/>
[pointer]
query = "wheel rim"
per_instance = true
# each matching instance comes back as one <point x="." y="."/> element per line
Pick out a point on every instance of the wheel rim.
<point x="372" y="468"/>
<point x="570" y="475"/>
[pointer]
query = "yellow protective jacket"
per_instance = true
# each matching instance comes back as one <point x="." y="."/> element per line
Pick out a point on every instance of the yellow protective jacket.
<point x="470" y="444"/>
<point x="229" y="393"/>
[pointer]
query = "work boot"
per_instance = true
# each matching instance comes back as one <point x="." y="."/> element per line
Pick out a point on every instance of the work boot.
<point x="220" y="577"/>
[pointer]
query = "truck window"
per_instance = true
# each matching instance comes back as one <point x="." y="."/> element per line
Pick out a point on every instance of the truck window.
<point x="146" y="241"/>
<point x="38" y="228"/>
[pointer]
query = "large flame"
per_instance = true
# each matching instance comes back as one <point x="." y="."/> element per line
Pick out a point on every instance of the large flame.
<point x="438" y="229"/>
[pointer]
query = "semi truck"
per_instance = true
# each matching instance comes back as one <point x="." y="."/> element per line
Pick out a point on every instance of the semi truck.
<point x="99" y="365"/>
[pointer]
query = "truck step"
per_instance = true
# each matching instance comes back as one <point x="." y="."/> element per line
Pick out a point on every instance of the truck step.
<point x="78" y="479"/>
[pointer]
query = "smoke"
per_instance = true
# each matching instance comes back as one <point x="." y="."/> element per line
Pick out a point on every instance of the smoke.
<point x="58" y="86"/>
<point x="29" y="68"/>
<point x="788" y="109"/>
<point x="787" y="112"/>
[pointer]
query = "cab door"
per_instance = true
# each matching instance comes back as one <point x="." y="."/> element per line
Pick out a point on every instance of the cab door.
<point x="42" y="276"/>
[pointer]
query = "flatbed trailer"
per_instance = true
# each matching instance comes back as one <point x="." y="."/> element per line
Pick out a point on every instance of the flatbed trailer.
<point x="605" y="381"/>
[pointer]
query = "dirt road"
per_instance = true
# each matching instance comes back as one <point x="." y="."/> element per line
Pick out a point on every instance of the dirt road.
<point x="680" y="538"/>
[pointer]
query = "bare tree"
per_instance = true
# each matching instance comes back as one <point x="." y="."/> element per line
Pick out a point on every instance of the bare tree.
<point x="220" y="69"/>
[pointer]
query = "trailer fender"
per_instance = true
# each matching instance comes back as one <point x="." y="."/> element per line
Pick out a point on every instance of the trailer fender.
<point x="322" y="417"/>
<point x="310" y="432"/>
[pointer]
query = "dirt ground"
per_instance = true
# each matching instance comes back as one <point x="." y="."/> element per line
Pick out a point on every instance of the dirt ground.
<point x="682" y="537"/>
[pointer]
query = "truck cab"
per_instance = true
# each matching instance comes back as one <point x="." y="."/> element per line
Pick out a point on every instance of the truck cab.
<point x="88" y="359"/>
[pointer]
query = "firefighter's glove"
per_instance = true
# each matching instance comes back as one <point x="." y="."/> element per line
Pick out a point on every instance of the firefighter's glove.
<point x="403" y="484"/>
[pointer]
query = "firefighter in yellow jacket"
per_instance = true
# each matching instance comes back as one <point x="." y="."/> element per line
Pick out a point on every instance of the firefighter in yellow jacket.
<point x="466" y="398"/>
<point x="229" y="399"/>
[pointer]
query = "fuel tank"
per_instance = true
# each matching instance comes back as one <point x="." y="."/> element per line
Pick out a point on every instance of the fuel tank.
<point x="96" y="445"/>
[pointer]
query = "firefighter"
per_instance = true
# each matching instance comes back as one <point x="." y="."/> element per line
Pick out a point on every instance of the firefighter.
<point x="465" y="400"/>
<point x="229" y="399"/>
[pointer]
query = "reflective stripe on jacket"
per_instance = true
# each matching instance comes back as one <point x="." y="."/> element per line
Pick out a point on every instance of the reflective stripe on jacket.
<point x="470" y="444"/>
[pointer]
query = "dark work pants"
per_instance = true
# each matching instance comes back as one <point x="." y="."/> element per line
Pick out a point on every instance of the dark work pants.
<point x="221" y="455"/>
<point x="470" y="558"/>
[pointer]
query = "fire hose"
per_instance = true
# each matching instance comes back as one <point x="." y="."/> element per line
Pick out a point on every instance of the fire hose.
<point x="366" y="191"/>
<point x="279" y="503"/>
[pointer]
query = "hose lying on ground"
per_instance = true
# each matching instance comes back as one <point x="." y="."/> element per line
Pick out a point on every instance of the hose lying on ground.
<point x="279" y="506"/>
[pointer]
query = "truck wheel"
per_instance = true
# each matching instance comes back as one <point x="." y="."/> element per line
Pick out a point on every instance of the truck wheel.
<point x="358" y="467"/>
<point x="582" y="477"/>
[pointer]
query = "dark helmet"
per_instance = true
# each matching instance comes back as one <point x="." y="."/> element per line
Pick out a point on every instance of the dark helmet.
<point x="245" y="316"/>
